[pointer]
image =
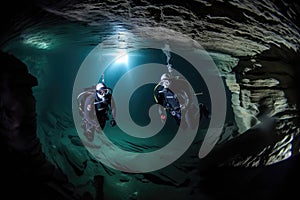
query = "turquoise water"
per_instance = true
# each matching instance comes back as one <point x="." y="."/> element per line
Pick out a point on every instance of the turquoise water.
<point x="142" y="99"/>
<point x="54" y="55"/>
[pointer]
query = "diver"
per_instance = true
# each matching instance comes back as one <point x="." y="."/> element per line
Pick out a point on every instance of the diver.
<point x="104" y="105"/>
<point x="94" y="120"/>
<point x="167" y="98"/>
<point x="175" y="96"/>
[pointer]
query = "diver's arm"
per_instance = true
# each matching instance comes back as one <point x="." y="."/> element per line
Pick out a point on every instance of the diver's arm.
<point x="162" y="115"/>
<point x="158" y="99"/>
<point x="185" y="104"/>
<point x="160" y="110"/>
<point x="112" y="105"/>
<point x="185" y="93"/>
<point x="113" y="108"/>
<point x="155" y="93"/>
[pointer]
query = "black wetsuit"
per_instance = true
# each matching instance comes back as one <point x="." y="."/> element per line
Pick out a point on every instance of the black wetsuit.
<point x="103" y="108"/>
<point x="170" y="98"/>
<point x="170" y="102"/>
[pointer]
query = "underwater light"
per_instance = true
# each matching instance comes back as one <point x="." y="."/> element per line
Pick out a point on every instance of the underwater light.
<point x="122" y="59"/>
<point x="38" y="41"/>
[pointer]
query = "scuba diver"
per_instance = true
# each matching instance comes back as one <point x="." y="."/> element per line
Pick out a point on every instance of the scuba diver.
<point x="175" y="96"/>
<point x="104" y="104"/>
<point x="95" y="105"/>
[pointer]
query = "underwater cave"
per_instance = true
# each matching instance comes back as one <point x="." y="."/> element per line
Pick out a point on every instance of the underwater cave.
<point x="240" y="57"/>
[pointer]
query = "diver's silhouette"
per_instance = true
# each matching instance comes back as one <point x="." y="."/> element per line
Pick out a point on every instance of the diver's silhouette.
<point x="95" y="108"/>
<point x="175" y="95"/>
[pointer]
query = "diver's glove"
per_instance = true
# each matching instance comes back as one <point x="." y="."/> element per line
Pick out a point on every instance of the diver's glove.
<point x="112" y="122"/>
<point x="163" y="117"/>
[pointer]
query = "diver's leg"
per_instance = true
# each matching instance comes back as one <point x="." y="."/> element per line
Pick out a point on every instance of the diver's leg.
<point x="204" y="111"/>
<point x="187" y="119"/>
<point x="175" y="116"/>
<point x="102" y="117"/>
<point x="192" y="116"/>
<point x="89" y="131"/>
<point x="89" y="118"/>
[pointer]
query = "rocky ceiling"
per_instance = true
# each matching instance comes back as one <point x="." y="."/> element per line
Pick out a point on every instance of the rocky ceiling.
<point x="263" y="37"/>
<point x="237" y="28"/>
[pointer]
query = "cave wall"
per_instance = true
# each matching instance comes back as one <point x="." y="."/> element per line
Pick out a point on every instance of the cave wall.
<point x="233" y="27"/>
<point x="262" y="37"/>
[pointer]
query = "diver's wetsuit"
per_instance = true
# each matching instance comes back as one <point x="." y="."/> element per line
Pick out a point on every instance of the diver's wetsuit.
<point x="95" y="111"/>
<point x="170" y="98"/>
<point x="103" y="108"/>
<point x="90" y="124"/>
<point x="170" y="102"/>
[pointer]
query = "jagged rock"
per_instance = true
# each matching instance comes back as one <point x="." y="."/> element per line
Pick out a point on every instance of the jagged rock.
<point x="140" y="177"/>
<point x="124" y="178"/>
<point x="26" y="172"/>
<point x="255" y="44"/>
<point x="172" y="176"/>
<point x="133" y="196"/>
<point x="235" y="28"/>
<point x="76" y="157"/>
<point x="267" y="91"/>
<point x="75" y="140"/>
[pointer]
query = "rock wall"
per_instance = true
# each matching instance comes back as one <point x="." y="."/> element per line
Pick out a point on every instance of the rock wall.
<point x="262" y="40"/>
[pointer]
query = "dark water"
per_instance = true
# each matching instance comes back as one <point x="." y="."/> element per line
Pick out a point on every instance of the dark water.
<point x="54" y="54"/>
<point x="142" y="98"/>
<point x="54" y="48"/>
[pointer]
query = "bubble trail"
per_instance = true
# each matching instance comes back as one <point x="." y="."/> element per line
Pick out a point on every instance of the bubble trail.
<point x="166" y="51"/>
